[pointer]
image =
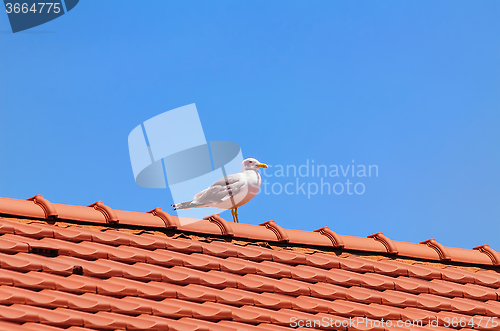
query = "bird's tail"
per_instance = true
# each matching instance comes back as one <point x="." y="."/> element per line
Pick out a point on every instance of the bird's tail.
<point x="186" y="205"/>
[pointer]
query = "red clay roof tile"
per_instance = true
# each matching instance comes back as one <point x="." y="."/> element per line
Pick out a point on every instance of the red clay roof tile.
<point x="74" y="234"/>
<point x="132" y="218"/>
<point x="238" y="326"/>
<point x="308" y="238"/>
<point x="288" y="257"/>
<point x="151" y="290"/>
<point x="469" y="307"/>
<point x="485" y="323"/>
<point x="21" y="208"/>
<point x="171" y="275"/>
<point x="489" y="279"/>
<point x="235" y="265"/>
<point x="411" y="285"/>
<point x="220" y="249"/>
<point x="271" y="327"/>
<point x="399" y="299"/>
<point x="17" y="327"/>
<point x="446" y="289"/>
<point x="328" y="291"/>
<point x="322" y="261"/>
<point x="178" y="244"/>
<point x="29" y="280"/>
<point x="89" y="268"/>
<point x="57" y="317"/>
<point x="198" y="261"/>
<point x="271" y="300"/>
<point x="248" y="283"/>
<point x="84" y="250"/>
<point x="175" y="325"/>
<point x="381" y="281"/>
<point x="468" y="256"/>
<point x="42" y="327"/>
<point x="254" y="253"/>
<point x="78" y="302"/>
<point x="32" y="230"/>
<point x="419" y="270"/>
<point x="79" y="213"/>
<point x="166" y="258"/>
<point x="205" y="325"/>
<point x="284" y="285"/>
<point x="118" y="305"/>
<point x="356" y="293"/>
<point x="112" y="238"/>
<point x="14" y="295"/>
<point x="139" y="241"/>
<point x="212" y="278"/>
<point x="171" y="222"/>
<point x="279" y="270"/>
<point x="125" y="254"/>
<point x="479" y="292"/>
<point x="472" y="291"/>
<point x="41" y="208"/>
<point x="196" y="294"/>
<point x="391" y="268"/>
<point x="100" y="320"/>
<point x="14" y="245"/>
<point x="202" y="226"/>
<point x="96" y="285"/>
<point x="488" y="251"/>
<point x="18" y="263"/>
<point x="310" y="305"/>
<point x="250" y="315"/>
<point x="231" y="296"/>
<point x="457" y="275"/>
<point x="163" y="308"/>
<point x="72" y="284"/>
<point x="363" y="244"/>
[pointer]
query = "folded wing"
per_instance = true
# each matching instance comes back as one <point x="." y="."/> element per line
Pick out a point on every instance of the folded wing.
<point x="222" y="190"/>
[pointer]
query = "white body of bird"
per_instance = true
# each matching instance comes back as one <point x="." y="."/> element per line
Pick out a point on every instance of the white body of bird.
<point x="229" y="192"/>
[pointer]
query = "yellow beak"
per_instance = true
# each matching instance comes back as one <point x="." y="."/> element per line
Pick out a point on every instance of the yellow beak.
<point x="262" y="165"/>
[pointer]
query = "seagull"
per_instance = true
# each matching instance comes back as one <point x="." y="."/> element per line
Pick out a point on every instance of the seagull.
<point x="230" y="192"/>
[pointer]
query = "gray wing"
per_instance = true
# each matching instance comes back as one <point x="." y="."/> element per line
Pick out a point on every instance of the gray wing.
<point x="222" y="190"/>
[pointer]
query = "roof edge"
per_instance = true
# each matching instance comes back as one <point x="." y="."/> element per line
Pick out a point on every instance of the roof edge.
<point x="38" y="207"/>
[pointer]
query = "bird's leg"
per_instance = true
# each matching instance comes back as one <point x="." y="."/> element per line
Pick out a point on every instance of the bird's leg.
<point x="236" y="214"/>
<point x="232" y="214"/>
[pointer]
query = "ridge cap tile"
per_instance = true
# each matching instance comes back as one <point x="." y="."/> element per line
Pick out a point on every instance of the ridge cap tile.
<point x="40" y="208"/>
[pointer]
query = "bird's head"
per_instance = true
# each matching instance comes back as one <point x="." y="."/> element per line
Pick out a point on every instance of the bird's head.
<point x="252" y="164"/>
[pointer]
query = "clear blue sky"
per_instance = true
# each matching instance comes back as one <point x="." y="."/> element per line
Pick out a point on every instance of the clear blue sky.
<point x="411" y="86"/>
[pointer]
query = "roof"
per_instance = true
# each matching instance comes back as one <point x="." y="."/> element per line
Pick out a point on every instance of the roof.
<point x="80" y="268"/>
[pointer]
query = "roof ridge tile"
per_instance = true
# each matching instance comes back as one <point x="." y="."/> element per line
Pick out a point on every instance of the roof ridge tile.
<point x="391" y="247"/>
<point x="334" y="238"/>
<point x="40" y="208"/>
<point x="225" y="226"/>
<point x="108" y="213"/>
<point x="280" y="233"/>
<point x="442" y="251"/>
<point x="170" y="221"/>
<point x="492" y="254"/>
<point x="48" y="208"/>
